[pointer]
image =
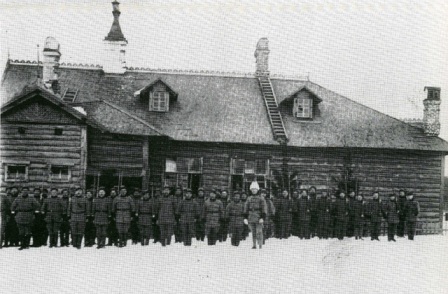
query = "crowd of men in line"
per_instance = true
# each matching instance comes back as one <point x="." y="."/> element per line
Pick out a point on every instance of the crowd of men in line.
<point x="118" y="216"/>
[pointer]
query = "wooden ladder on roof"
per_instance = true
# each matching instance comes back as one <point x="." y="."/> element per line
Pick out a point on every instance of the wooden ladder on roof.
<point x="275" y="118"/>
<point x="70" y="95"/>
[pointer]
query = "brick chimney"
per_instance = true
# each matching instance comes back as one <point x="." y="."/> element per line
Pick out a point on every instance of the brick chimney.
<point x="262" y="57"/>
<point x="51" y="64"/>
<point x="115" y="45"/>
<point x="431" y="112"/>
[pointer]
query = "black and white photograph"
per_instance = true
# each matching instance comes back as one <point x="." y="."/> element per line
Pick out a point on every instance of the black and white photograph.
<point x="224" y="146"/>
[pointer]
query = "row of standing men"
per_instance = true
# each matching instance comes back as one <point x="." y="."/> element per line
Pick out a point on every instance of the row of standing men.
<point x="306" y="214"/>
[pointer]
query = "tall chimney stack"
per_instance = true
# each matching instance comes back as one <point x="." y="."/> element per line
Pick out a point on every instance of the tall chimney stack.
<point x="431" y="112"/>
<point x="262" y="57"/>
<point x="51" y="64"/>
<point x="115" y="45"/>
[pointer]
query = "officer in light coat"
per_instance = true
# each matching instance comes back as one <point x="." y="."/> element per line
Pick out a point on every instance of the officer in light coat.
<point x="255" y="209"/>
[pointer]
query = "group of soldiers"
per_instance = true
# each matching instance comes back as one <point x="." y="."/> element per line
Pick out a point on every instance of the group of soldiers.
<point x="97" y="216"/>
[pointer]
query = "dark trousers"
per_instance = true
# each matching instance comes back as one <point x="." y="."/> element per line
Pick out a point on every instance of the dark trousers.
<point x="112" y="233"/>
<point x="401" y="226"/>
<point x="313" y="225"/>
<point x="78" y="228"/>
<point x="65" y="232"/>
<point x="304" y="229"/>
<point x="391" y="231"/>
<point x="135" y="232"/>
<point x="283" y="229"/>
<point x="237" y="232"/>
<point x="340" y="228"/>
<point x="411" y="229"/>
<point x="145" y="231"/>
<point x="375" y="230"/>
<point x="24" y="229"/>
<point x="2" y="231"/>
<point x="188" y="232"/>
<point x="200" y="230"/>
<point x="295" y="226"/>
<point x="166" y="232"/>
<point x="212" y="235"/>
<point x="223" y="231"/>
<point x="53" y="227"/>
<point x="101" y="233"/>
<point x="90" y="233"/>
<point x="268" y="229"/>
<point x="177" y="232"/>
<point x="39" y="231"/>
<point x="12" y="233"/>
<point x="358" y="228"/>
<point x="351" y="227"/>
<point x="156" y="232"/>
<point x="322" y="228"/>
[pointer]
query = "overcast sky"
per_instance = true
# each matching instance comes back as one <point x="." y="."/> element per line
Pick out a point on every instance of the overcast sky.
<point x="379" y="53"/>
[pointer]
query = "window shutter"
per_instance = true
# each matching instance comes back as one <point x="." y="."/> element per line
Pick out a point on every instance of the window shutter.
<point x="151" y="101"/>
<point x="167" y="101"/>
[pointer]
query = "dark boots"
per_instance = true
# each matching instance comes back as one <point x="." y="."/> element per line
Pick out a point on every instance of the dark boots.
<point x="25" y="242"/>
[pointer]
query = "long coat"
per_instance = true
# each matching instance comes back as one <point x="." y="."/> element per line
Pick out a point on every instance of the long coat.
<point x="166" y="210"/>
<point x="24" y="209"/>
<point x="304" y="209"/>
<point x="213" y="212"/>
<point x="255" y="208"/>
<point x="357" y="211"/>
<point x="123" y="207"/>
<point x="188" y="210"/>
<point x="412" y="209"/>
<point x="101" y="210"/>
<point x="283" y="209"/>
<point x="78" y="209"/>
<point x="54" y="208"/>
<point x="391" y="212"/>
<point x="323" y="210"/>
<point x="145" y="211"/>
<point x="401" y="206"/>
<point x="235" y="216"/>
<point x="270" y="210"/>
<point x="374" y="211"/>
<point x="5" y="208"/>
<point x="340" y="209"/>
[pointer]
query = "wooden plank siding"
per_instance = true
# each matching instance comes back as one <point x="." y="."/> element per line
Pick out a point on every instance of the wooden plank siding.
<point x="384" y="170"/>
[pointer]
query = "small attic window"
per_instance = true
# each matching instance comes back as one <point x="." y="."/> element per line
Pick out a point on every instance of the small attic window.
<point x="303" y="107"/>
<point x="159" y="101"/>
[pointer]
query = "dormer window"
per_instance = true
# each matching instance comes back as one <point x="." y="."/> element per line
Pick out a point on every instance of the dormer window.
<point x="159" y="101"/>
<point x="303" y="105"/>
<point x="303" y="108"/>
<point x="158" y="94"/>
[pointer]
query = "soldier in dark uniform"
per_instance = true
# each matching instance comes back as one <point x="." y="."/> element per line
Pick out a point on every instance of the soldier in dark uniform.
<point x="332" y="227"/>
<point x="123" y="207"/>
<point x="223" y="227"/>
<point x="375" y="212"/>
<point x="357" y="209"/>
<point x="235" y="217"/>
<point x="5" y="211"/>
<point x="255" y="210"/>
<point x="295" y="222"/>
<point x="39" y="223"/>
<point x="200" y="224"/>
<point x="351" y="223"/>
<point x="78" y="210"/>
<point x="145" y="213"/>
<point x="391" y="214"/>
<point x="411" y="210"/>
<point x="155" y="226"/>
<point x="246" y="228"/>
<point x="188" y="212"/>
<point x="134" y="230"/>
<point x="112" y="232"/>
<point x="341" y="211"/>
<point x="313" y="211"/>
<point x="23" y="208"/>
<point x="12" y="230"/>
<point x="304" y="211"/>
<point x="65" y="225"/>
<point x="284" y="210"/>
<point x="401" y="216"/>
<point x="166" y="213"/>
<point x="101" y="211"/>
<point x="212" y="213"/>
<point x="53" y="209"/>
<point x="323" y="215"/>
<point x="90" y="232"/>
<point x="178" y="196"/>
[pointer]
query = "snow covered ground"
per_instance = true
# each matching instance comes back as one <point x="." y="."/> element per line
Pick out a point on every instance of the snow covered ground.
<point x="282" y="266"/>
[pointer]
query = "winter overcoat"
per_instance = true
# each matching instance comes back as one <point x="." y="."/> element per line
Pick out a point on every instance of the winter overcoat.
<point x="24" y="209"/>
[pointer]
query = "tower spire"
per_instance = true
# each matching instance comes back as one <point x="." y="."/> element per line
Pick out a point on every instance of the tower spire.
<point x="115" y="33"/>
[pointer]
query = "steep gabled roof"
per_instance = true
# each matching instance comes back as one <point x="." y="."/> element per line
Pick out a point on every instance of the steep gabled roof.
<point x="215" y="108"/>
<point x="150" y="85"/>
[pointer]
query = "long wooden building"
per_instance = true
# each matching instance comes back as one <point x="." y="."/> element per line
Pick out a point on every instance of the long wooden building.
<point x="67" y="125"/>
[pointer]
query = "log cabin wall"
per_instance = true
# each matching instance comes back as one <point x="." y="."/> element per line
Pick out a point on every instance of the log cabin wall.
<point x="41" y="137"/>
<point x="384" y="170"/>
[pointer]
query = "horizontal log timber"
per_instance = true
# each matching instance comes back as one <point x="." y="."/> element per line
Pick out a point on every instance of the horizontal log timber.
<point x="30" y="131"/>
<point x="25" y="142"/>
<point x="33" y="126"/>
<point x="33" y="155"/>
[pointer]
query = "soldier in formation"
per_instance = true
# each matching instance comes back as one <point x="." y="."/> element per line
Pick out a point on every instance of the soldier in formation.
<point x="255" y="212"/>
<point x="54" y="208"/>
<point x="212" y="214"/>
<point x="166" y="216"/>
<point x="123" y="207"/>
<point x="145" y="211"/>
<point x="101" y="214"/>
<point x="187" y="213"/>
<point x="235" y="218"/>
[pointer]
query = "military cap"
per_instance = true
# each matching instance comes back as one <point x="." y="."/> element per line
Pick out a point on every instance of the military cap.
<point x="236" y="192"/>
<point x="24" y="188"/>
<point x="200" y="189"/>
<point x="409" y="193"/>
<point x="101" y="188"/>
<point x="78" y="188"/>
<point x="44" y="190"/>
<point x="36" y="189"/>
<point x="54" y="188"/>
<point x="392" y="195"/>
<point x="263" y="190"/>
<point x="122" y="187"/>
<point x="312" y="187"/>
<point x="136" y="189"/>
<point x="114" y="188"/>
<point x="188" y="190"/>
<point x="64" y="189"/>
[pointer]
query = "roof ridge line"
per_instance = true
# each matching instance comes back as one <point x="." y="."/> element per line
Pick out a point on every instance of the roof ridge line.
<point x="132" y="116"/>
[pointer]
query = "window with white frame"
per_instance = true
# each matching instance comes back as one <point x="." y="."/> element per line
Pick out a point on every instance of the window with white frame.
<point x="184" y="171"/>
<point x="159" y="101"/>
<point x="245" y="171"/>
<point x="59" y="173"/>
<point x="16" y="172"/>
<point x="303" y="107"/>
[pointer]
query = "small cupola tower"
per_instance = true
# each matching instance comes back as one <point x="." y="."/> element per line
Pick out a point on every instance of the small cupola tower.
<point x="115" y="45"/>
<point x="431" y="112"/>
<point x="262" y="57"/>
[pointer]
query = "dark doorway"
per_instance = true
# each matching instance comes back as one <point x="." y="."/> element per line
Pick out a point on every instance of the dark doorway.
<point x="194" y="182"/>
